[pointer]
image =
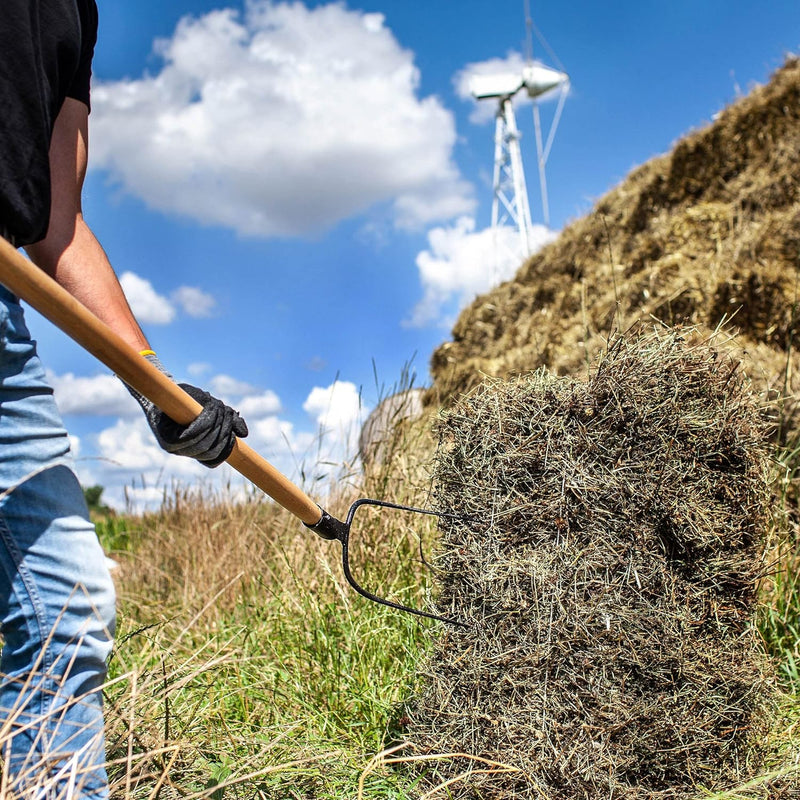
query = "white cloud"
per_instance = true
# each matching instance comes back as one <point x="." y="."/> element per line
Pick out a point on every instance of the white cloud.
<point x="100" y="395"/>
<point x="272" y="431"/>
<point x="339" y="414"/>
<point x="147" y="305"/>
<point x="334" y="406"/>
<point x="194" y="302"/>
<point x="138" y="498"/>
<point x="462" y="263"/>
<point x="130" y="445"/>
<point x="198" y="369"/>
<point x="135" y="472"/>
<point x="225" y="386"/>
<point x="130" y="448"/>
<point x="261" y="405"/>
<point x="282" y="120"/>
<point x="152" y="308"/>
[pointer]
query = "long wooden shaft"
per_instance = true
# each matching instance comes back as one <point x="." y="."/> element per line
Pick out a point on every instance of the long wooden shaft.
<point x="55" y="303"/>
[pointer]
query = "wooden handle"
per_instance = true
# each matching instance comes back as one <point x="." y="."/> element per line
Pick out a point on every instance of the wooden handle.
<point x="55" y="303"/>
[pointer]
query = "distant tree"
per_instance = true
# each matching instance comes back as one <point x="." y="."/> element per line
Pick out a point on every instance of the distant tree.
<point x="93" y="495"/>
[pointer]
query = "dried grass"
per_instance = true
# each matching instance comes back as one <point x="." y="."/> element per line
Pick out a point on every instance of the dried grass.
<point x="704" y="234"/>
<point x="614" y="536"/>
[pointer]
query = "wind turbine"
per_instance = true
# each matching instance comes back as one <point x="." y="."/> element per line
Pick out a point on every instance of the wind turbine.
<point x="510" y="193"/>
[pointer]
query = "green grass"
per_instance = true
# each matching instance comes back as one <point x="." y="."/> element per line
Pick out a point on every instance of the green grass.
<point x="292" y="696"/>
<point x="245" y="666"/>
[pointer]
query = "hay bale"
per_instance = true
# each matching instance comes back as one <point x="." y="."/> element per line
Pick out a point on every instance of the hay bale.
<point x="609" y="565"/>
<point x="378" y="432"/>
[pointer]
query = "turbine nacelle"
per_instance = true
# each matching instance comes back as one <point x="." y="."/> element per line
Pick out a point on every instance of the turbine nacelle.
<point x="536" y="79"/>
<point x="499" y="85"/>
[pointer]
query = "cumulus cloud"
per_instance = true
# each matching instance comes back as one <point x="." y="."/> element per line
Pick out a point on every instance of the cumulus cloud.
<point x="152" y="308"/>
<point x="338" y="412"/>
<point x="334" y="406"/>
<point x="281" y="120"/>
<point x="101" y="395"/>
<point x="306" y="449"/>
<point x="198" y="368"/>
<point x="194" y="302"/>
<point x="273" y="433"/>
<point x="146" y="303"/>
<point x="461" y="263"/>
<point x="138" y="497"/>
<point x="135" y="472"/>
<point x="130" y="445"/>
<point x="260" y="405"/>
<point x="228" y="387"/>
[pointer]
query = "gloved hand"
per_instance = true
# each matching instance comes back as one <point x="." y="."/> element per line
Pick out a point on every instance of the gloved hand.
<point x="209" y="437"/>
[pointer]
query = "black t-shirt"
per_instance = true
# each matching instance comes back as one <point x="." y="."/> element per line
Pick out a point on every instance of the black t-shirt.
<point x="46" y="49"/>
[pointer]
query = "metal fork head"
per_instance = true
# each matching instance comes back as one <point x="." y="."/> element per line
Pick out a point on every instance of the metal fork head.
<point x="331" y="528"/>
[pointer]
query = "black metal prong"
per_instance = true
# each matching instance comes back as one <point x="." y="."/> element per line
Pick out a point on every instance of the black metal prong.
<point x="345" y="540"/>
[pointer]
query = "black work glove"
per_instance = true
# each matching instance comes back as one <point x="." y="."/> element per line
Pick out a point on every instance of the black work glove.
<point x="209" y="437"/>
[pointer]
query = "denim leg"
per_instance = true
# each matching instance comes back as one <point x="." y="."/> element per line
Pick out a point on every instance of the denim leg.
<point x="56" y="595"/>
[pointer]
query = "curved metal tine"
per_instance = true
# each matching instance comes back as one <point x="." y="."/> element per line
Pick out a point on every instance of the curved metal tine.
<point x="345" y="541"/>
<point x="364" y="501"/>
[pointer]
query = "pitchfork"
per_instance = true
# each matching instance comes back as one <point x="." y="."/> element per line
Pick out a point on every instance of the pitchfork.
<point x="41" y="292"/>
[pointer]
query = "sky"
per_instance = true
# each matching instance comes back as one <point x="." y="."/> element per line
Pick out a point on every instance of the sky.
<point x="297" y="196"/>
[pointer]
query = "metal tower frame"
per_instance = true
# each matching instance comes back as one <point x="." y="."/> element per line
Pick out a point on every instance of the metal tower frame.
<point x="510" y="200"/>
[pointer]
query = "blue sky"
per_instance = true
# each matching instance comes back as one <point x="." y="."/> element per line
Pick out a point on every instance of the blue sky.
<point x="296" y="195"/>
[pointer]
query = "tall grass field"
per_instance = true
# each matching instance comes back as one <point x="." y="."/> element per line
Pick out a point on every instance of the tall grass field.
<point x="245" y="667"/>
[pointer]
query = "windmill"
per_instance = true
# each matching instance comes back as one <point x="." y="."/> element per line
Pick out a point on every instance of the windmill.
<point x="510" y="195"/>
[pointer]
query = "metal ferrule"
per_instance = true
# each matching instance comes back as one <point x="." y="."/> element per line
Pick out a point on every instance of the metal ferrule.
<point x="329" y="527"/>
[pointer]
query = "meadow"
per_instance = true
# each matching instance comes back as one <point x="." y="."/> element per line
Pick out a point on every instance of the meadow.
<point x="246" y="668"/>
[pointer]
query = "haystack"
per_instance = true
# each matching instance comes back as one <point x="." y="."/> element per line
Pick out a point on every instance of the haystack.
<point x="704" y="234"/>
<point x="607" y="565"/>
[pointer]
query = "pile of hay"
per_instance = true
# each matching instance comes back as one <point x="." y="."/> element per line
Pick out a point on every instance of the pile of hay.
<point x="705" y="233"/>
<point x="608" y="567"/>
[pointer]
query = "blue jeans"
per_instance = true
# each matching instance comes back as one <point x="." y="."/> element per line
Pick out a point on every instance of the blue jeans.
<point x="56" y="595"/>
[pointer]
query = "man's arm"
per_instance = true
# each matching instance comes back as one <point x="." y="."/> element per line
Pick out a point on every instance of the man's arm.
<point x="73" y="256"/>
<point x="70" y="253"/>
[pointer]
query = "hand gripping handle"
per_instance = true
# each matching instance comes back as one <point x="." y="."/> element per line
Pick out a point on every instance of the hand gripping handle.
<point x="55" y="303"/>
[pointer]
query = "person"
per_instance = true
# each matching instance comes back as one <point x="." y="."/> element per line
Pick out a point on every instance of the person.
<point x="56" y="595"/>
